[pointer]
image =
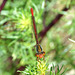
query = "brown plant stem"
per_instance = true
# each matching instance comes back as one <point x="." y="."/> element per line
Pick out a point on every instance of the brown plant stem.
<point x="21" y="68"/>
<point x="2" y="5"/>
<point x="50" y="25"/>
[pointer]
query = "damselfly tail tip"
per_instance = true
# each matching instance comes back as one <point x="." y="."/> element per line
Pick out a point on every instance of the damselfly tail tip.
<point x="32" y="11"/>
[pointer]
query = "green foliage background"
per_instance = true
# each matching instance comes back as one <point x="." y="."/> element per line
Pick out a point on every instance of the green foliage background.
<point x="16" y="34"/>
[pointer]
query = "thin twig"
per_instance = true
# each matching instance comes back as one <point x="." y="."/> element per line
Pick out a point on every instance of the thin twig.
<point x="50" y="25"/>
<point x="2" y="5"/>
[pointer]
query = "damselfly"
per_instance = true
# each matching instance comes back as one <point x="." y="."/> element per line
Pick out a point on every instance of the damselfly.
<point x="40" y="53"/>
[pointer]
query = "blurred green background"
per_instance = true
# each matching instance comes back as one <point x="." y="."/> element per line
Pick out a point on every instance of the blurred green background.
<point x="17" y="39"/>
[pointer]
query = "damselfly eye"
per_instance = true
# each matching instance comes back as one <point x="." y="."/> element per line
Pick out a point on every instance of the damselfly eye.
<point x="37" y="55"/>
